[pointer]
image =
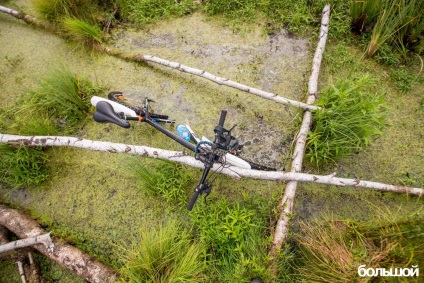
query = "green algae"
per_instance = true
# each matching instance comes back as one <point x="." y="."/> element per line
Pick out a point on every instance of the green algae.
<point x="9" y="271"/>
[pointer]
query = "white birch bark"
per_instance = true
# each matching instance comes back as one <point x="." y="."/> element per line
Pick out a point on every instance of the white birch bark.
<point x="42" y="239"/>
<point x="180" y="67"/>
<point x="21" y="271"/>
<point x="22" y="16"/>
<point x="184" y="158"/>
<point x="286" y="204"/>
<point x="229" y="83"/>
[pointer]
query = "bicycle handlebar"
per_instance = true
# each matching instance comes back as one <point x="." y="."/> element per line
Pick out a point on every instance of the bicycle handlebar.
<point x="222" y="118"/>
<point x="193" y="199"/>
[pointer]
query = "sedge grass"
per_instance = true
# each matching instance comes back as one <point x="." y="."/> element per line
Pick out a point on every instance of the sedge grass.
<point x="164" y="254"/>
<point x="364" y="13"/>
<point x="399" y="22"/>
<point x="411" y="33"/>
<point x="164" y="179"/>
<point x="22" y="166"/>
<point x="350" y="118"/>
<point x="63" y="97"/>
<point x="55" y="10"/>
<point x="332" y="250"/>
<point x="83" y="32"/>
<point x="58" y="106"/>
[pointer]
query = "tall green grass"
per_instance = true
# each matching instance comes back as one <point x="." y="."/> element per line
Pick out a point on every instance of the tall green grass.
<point x="235" y="237"/>
<point x="397" y="22"/>
<point x="350" y="118"/>
<point x="165" y="179"/>
<point x="364" y="14"/>
<point x="22" y="166"/>
<point x="333" y="250"/>
<point x="83" y="32"/>
<point x="55" y="10"/>
<point x="59" y="104"/>
<point x="164" y="254"/>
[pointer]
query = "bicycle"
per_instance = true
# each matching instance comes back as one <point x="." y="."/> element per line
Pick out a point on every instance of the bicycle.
<point x="222" y="150"/>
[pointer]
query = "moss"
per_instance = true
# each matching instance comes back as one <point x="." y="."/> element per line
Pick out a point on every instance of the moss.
<point x="9" y="271"/>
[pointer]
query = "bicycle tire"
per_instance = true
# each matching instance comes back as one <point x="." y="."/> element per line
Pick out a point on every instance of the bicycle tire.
<point x="256" y="166"/>
<point x="113" y="96"/>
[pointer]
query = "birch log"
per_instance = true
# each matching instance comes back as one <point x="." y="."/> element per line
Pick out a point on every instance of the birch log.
<point x="66" y="255"/>
<point x="229" y="83"/>
<point x="184" y="158"/>
<point x="24" y="17"/>
<point x="42" y="239"/>
<point x="286" y="204"/>
<point x="176" y="66"/>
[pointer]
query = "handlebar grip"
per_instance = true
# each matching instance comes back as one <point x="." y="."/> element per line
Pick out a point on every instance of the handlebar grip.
<point x="222" y="118"/>
<point x="193" y="199"/>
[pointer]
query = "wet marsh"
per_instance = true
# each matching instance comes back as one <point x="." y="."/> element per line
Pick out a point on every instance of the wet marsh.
<point x="91" y="199"/>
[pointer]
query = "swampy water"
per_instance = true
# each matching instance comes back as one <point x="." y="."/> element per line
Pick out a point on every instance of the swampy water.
<point x="92" y="196"/>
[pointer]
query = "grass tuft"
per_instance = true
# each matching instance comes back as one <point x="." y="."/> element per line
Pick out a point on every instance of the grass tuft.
<point x="55" y="10"/>
<point x="83" y="32"/>
<point x="60" y="104"/>
<point x="22" y="166"/>
<point x="349" y="119"/>
<point x="166" y="179"/>
<point x="164" y="253"/>
<point x="332" y="251"/>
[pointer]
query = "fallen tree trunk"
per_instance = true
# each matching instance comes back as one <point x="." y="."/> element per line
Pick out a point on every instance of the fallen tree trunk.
<point x="286" y="204"/>
<point x="174" y="65"/>
<point x="184" y="158"/>
<point x="66" y="255"/>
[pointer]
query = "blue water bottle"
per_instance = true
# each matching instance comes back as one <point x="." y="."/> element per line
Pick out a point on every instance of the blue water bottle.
<point x="183" y="132"/>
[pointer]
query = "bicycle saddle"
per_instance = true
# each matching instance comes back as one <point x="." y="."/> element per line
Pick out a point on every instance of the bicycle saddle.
<point x="106" y="114"/>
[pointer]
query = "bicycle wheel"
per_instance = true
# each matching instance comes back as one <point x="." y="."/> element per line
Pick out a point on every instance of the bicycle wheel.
<point x="256" y="166"/>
